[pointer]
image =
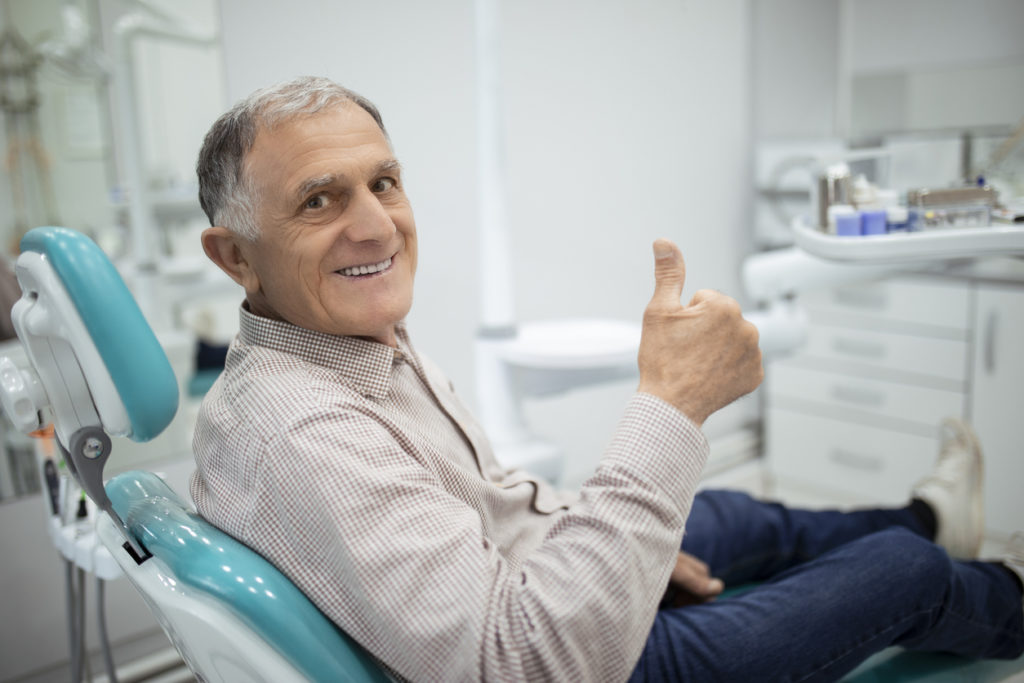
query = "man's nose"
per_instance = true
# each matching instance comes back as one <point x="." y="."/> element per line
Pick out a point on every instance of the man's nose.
<point x="370" y="219"/>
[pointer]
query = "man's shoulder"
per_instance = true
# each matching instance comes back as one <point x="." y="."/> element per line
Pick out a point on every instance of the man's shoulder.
<point x="267" y="387"/>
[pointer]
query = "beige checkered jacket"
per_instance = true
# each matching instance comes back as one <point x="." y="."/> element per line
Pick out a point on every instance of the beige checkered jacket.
<point x="355" y="469"/>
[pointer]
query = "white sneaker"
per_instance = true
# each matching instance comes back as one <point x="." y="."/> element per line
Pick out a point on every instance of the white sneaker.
<point x="954" y="491"/>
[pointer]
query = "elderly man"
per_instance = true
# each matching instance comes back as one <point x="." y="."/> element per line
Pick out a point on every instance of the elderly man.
<point x="342" y="455"/>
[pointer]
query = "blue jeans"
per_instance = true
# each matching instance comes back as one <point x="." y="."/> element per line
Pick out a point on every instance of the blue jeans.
<point x="836" y="588"/>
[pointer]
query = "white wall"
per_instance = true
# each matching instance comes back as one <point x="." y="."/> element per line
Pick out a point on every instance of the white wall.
<point x="625" y="121"/>
<point x="929" y="34"/>
<point x="934" y="65"/>
<point x="795" y="61"/>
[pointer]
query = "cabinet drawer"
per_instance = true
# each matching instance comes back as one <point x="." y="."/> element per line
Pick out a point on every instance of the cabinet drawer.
<point x="942" y="358"/>
<point x="874" y="465"/>
<point x="903" y="300"/>
<point x="844" y="393"/>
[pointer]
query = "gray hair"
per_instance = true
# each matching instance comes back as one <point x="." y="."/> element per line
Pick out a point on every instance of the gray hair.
<point x="227" y="193"/>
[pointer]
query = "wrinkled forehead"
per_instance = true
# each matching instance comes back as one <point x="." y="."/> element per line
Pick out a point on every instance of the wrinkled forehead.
<point x="281" y="145"/>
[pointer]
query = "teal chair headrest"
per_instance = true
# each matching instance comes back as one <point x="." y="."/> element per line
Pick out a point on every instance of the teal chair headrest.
<point x="133" y="357"/>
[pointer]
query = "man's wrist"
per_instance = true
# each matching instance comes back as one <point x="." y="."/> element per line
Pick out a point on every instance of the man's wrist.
<point x="696" y="413"/>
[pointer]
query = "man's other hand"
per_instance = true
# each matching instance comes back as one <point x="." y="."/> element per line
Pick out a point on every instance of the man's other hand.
<point x="691" y="583"/>
<point x="699" y="357"/>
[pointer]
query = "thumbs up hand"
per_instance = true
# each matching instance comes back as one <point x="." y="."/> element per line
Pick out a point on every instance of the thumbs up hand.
<point x="699" y="357"/>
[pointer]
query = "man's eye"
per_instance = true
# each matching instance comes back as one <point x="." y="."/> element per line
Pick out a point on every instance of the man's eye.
<point x="315" y="202"/>
<point x="384" y="184"/>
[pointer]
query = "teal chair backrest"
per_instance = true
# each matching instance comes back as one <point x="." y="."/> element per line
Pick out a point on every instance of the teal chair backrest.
<point x="208" y="560"/>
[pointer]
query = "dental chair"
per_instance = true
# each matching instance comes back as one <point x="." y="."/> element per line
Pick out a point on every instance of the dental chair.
<point x="98" y="369"/>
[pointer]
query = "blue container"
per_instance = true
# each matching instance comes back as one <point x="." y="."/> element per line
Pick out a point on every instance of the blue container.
<point x="848" y="225"/>
<point x="872" y="222"/>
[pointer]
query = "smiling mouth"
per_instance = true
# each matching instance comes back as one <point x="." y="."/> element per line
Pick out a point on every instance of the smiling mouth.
<point x="369" y="269"/>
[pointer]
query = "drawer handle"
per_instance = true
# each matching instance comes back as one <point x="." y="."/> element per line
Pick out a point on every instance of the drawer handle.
<point x="861" y="298"/>
<point x="857" y="461"/>
<point x="864" y="397"/>
<point x="991" y="332"/>
<point x="856" y="347"/>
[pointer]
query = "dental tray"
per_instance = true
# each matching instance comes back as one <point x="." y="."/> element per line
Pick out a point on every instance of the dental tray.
<point x="929" y="245"/>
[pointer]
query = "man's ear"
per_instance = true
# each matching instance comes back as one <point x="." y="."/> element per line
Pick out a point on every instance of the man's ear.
<point x="225" y="248"/>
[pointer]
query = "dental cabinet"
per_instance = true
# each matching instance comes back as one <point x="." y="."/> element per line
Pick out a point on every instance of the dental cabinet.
<point x="854" y="415"/>
<point x="996" y="401"/>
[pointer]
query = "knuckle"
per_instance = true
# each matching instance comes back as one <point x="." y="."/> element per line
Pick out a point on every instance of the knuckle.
<point x="751" y="331"/>
<point x="757" y="374"/>
<point x="724" y="305"/>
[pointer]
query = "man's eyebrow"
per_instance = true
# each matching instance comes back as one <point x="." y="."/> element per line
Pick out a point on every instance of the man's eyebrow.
<point x="389" y="166"/>
<point x="311" y="185"/>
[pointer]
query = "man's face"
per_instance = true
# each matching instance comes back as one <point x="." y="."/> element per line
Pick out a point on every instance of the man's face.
<point x="337" y="248"/>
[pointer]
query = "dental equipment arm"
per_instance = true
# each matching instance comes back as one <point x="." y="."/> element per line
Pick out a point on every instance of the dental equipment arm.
<point x="93" y="367"/>
<point x="820" y="260"/>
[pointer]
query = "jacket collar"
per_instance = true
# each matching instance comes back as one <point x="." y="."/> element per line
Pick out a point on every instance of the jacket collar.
<point x="365" y="364"/>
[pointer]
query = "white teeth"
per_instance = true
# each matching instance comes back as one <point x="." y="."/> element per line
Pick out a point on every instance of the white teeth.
<point x="366" y="270"/>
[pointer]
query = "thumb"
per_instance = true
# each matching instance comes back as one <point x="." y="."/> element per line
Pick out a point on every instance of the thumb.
<point x="669" y="273"/>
